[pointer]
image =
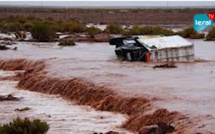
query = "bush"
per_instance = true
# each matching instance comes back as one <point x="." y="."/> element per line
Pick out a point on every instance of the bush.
<point x="114" y="29"/>
<point x="54" y="25"/>
<point x="211" y="35"/>
<point x="72" y="27"/>
<point x="191" y="33"/>
<point x="21" y="20"/>
<point x="92" y="31"/>
<point x="42" y="32"/>
<point x="24" y="126"/>
<point x="136" y="30"/>
<point x="149" y="30"/>
<point x="66" y="42"/>
<point x="13" y="26"/>
<point x="28" y="25"/>
<point x="1" y="25"/>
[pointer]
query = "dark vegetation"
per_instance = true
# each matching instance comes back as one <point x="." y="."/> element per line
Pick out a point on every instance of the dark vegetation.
<point x="149" y="30"/>
<point x="66" y="42"/>
<point x="114" y="28"/>
<point x="191" y="33"/>
<point x="71" y="27"/>
<point x="92" y="31"/>
<point x="211" y="35"/>
<point x="44" y="30"/>
<point x="24" y="126"/>
<point x="136" y="16"/>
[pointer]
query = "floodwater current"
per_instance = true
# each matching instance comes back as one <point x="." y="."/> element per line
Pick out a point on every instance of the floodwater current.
<point x="62" y="116"/>
<point x="189" y="88"/>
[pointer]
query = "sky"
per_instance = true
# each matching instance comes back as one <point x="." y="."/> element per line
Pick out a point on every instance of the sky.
<point x="110" y="3"/>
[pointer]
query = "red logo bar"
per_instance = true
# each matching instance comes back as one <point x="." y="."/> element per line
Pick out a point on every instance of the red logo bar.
<point x="211" y="15"/>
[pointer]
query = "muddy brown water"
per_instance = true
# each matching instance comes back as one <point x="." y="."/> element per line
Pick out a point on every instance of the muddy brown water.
<point x="188" y="89"/>
<point x="62" y="116"/>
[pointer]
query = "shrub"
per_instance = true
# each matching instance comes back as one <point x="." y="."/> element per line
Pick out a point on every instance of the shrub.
<point x="28" y="25"/>
<point x="211" y="35"/>
<point x="42" y="32"/>
<point x="163" y="31"/>
<point x="136" y="30"/>
<point x="54" y="25"/>
<point x="149" y="30"/>
<point x="24" y="126"/>
<point x="1" y="25"/>
<point x="11" y="19"/>
<point x="21" y="20"/>
<point x="191" y="33"/>
<point x="72" y="27"/>
<point x="114" y="29"/>
<point x="66" y="42"/>
<point x="92" y="31"/>
<point x="13" y="26"/>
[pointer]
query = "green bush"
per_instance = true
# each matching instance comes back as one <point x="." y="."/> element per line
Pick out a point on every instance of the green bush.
<point x="211" y="35"/>
<point x="163" y="31"/>
<point x="42" y="32"/>
<point x="21" y="20"/>
<point x="191" y="33"/>
<point x="1" y="25"/>
<point x="13" y="26"/>
<point x="136" y="30"/>
<point x="11" y="19"/>
<point x="54" y="25"/>
<point x="28" y="25"/>
<point x="149" y="30"/>
<point x="114" y="29"/>
<point x="72" y="27"/>
<point x="24" y="126"/>
<point x="92" y="31"/>
<point x="66" y="42"/>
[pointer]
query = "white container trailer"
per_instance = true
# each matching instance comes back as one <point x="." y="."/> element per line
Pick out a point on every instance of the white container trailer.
<point x="169" y="48"/>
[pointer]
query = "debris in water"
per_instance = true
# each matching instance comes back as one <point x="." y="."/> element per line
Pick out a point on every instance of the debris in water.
<point x="109" y="132"/>
<point x="66" y="42"/>
<point x="3" y="47"/>
<point x="9" y="97"/>
<point x="22" y="109"/>
<point x="167" y="65"/>
<point x="112" y="132"/>
<point x="7" y="41"/>
<point x="160" y="128"/>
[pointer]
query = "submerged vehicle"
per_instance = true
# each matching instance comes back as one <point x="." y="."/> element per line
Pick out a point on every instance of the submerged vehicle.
<point x="153" y="48"/>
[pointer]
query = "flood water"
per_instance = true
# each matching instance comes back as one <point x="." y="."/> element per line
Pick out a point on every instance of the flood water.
<point x="62" y="116"/>
<point x="189" y="88"/>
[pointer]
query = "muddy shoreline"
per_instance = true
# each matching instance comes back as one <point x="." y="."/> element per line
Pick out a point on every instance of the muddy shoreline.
<point x="85" y="92"/>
